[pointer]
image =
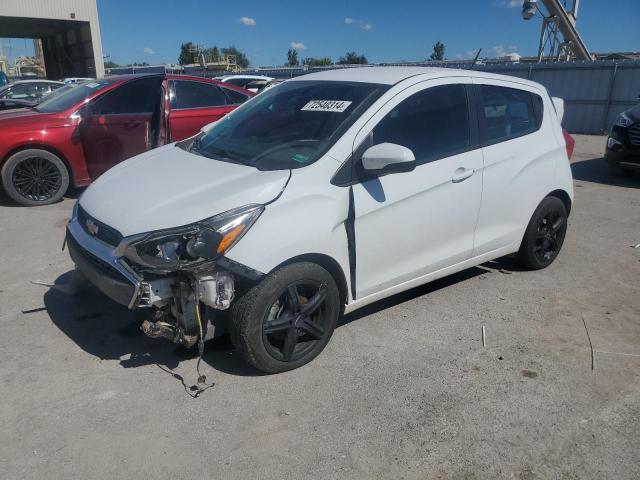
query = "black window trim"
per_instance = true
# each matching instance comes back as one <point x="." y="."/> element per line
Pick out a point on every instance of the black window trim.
<point x="477" y="100"/>
<point x="97" y="101"/>
<point x="173" y="90"/>
<point x="350" y="173"/>
<point x="226" y="89"/>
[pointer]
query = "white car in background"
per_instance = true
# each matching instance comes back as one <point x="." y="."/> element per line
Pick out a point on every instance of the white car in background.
<point x="322" y="195"/>
<point x="243" y="81"/>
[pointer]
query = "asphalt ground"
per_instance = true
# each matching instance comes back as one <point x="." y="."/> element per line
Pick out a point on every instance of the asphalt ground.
<point x="405" y="388"/>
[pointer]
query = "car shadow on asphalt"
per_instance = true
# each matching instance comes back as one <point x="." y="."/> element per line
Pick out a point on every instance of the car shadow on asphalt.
<point x="596" y="170"/>
<point x="110" y="331"/>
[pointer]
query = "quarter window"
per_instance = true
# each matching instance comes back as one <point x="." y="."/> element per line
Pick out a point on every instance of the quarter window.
<point x="197" y="95"/>
<point x="235" y="97"/>
<point x="508" y="113"/>
<point x="433" y="123"/>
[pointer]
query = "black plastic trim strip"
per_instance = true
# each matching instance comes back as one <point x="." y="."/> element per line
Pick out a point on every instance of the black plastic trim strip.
<point x="349" y="225"/>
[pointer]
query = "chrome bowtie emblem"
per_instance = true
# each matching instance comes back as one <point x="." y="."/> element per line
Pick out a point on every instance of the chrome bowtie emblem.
<point x="92" y="228"/>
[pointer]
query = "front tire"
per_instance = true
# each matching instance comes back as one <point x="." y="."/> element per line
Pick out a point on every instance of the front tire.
<point x="35" y="177"/>
<point x="287" y="319"/>
<point x="545" y="234"/>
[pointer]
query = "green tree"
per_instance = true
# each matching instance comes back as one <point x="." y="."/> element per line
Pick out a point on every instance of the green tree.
<point x="352" y="58"/>
<point x="215" y="54"/>
<point x="438" y="51"/>
<point x="110" y="64"/>
<point x="241" y="59"/>
<point x="186" y="53"/>
<point x="292" y="58"/>
<point x="317" y="62"/>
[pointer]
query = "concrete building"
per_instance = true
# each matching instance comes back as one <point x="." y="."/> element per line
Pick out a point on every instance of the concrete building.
<point x="69" y="31"/>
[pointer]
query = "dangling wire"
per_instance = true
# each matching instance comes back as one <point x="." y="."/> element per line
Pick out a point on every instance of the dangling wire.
<point x="202" y="379"/>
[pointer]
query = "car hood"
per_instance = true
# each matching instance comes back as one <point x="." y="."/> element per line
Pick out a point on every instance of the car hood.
<point x="169" y="187"/>
<point x="23" y="115"/>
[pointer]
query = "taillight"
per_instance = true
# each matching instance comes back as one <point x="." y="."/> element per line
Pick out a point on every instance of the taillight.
<point x="569" y="142"/>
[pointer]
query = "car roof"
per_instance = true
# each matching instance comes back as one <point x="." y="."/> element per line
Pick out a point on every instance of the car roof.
<point x="392" y="75"/>
<point x="42" y="80"/>
<point x="253" y="77"/>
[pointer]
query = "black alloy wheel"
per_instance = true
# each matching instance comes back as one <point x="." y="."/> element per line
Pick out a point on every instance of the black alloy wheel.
<point x="296" y="322"/>
<point x="545" y="234"/>
<point x="551" y="228"/>
<point x="36" y="179"/>
<point x="287" y="319"/>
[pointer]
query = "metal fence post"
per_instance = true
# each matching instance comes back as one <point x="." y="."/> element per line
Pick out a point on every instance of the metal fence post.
<point x="607" y="108"/>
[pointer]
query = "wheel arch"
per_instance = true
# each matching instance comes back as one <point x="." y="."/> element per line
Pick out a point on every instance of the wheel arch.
<point x="329" y="264"/>
<point x="47" y="148"/>
<point x="564" y="197"/>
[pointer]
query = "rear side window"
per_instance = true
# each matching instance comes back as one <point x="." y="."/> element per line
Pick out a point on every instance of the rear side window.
<point x="190" y="94"/>
<point x="234" y="96"/>
<point x="139" y="96"/>
<point x="433" y="123"/>
<point x="507" y="113"/>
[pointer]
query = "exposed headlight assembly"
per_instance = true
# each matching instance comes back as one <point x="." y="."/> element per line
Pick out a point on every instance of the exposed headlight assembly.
<point x="623" y="120"/>
<point x="188" y="247"/>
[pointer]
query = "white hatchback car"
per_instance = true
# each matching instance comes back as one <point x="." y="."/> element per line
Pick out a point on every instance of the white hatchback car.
<point x="325" y="194"/>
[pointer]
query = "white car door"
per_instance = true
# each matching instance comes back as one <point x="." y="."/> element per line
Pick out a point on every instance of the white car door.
<point x="414" y="223"/>
<point x="519" y="152"/>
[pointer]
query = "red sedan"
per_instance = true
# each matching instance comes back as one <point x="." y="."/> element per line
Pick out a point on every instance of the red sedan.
<point x="75" y="136"/>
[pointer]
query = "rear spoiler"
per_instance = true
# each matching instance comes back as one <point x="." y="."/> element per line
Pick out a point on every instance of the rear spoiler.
<point x="558" y="104"/>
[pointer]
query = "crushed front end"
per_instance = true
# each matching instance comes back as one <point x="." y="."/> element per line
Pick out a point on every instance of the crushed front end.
<point x="170" y="272"/>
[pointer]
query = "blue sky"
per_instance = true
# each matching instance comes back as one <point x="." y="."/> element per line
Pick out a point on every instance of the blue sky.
<point x="152" y="30"/>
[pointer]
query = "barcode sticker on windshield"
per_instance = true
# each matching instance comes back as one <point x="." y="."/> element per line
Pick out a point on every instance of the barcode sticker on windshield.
<point x="326" y="106"/>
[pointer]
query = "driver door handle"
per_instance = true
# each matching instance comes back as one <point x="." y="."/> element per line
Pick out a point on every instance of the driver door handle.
<point x="462" y="174"/>
<point x="132" y="124"/>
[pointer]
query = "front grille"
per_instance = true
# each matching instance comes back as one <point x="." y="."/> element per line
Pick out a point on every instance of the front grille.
<point x="634" y="134"/>
<point x="104" y="232"/>
<point x="100" y="264"/>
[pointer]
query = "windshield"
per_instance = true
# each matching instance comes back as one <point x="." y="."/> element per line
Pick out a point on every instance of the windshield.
<point x="288" y="126"/>
<point x="59" y="102"/>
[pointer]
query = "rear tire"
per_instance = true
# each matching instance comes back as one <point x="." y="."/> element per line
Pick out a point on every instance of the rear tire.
<point x="35" y="177"/>
<point x="545" y="234"/>
<point x="272" y="330"/>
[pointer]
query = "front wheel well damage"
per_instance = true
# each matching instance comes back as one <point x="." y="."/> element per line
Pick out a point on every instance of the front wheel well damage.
<point x="329" y="264"/>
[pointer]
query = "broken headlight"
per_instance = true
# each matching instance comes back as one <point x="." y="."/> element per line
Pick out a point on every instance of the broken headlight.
<point x="192" y="245"/>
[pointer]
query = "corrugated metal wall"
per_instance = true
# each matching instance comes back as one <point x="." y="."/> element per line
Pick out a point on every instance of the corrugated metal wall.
<point x="594" y="92"/>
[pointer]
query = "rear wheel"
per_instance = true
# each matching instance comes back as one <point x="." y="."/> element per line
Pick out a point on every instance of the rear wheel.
<point x="545" y="234"/>
<point x="35" y="177"/>
<point x="286" y="321"/>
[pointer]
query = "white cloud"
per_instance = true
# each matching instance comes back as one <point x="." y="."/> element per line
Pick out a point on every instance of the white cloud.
<point x="361" y="24"/>
<point x="500" y="50"/>
<point x="469" y="55"/>
<point x="298" y="46"/>
<point x="508" y="3"/>
<point x="149" y="51"/>
<point x="248" y="21"/>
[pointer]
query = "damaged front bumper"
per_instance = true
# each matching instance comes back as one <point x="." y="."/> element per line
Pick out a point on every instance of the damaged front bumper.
<point x="174" y="296"/>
